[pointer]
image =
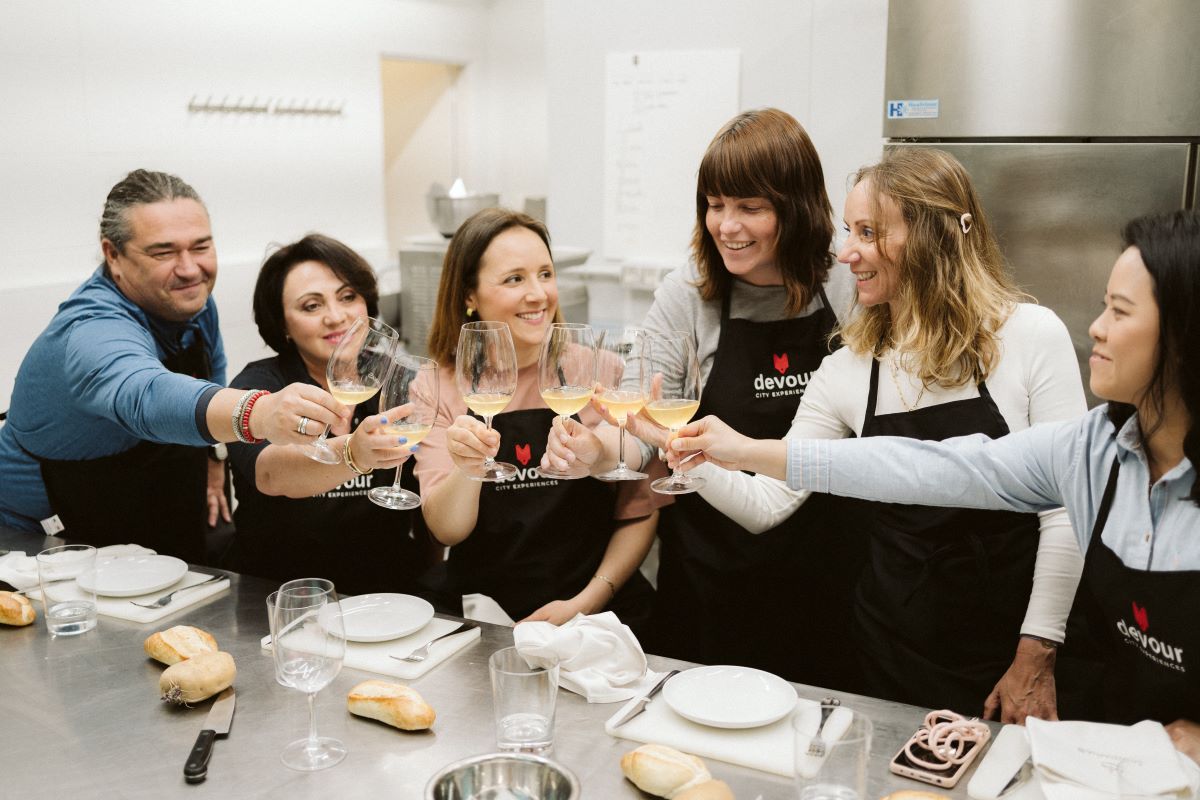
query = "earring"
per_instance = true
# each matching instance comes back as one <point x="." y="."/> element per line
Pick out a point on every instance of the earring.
<point x="470" y="312"/>
<point x="965" y="222"/>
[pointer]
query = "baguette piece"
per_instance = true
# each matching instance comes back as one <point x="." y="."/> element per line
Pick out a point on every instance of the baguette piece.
<point x="198" y="678"/>
<point x="15" y="609"/>
<point x="179" y="644"/>
<point x="667" y="772"/>
<point x="391" y="703"/>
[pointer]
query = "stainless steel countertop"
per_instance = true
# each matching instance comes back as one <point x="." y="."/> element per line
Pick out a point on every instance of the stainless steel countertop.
<point x="82" y="718"/>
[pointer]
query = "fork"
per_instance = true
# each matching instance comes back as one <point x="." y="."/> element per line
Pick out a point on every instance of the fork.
<point x="422" y="652"/>
<point x="816" y="746"/>
<point x="166" y="598"/>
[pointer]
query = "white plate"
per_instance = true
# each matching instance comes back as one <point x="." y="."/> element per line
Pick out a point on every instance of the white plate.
<point x="730" y="697"/>
<point x="129" y="576"/>
<point x="379" y="617"/>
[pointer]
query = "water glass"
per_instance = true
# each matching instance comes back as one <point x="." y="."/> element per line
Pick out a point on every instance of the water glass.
<point x="69" y="608"/>
<point x="845" y="739"/>
<point x="524" y="699"/>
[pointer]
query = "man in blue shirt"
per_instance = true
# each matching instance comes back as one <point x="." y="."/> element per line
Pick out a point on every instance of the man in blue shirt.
<point x="118" y="399"/>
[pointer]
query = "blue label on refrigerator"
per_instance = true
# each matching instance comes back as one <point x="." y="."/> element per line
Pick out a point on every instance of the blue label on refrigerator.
<point x="912" y="109"/>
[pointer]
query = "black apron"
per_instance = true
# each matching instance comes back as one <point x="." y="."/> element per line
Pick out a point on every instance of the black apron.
<point x="153" y="494"/>
<point x="940" y="604"/>
<point x="339" y="534"/>
<point x="1150" y="635"/>
<point x="537" y="539"/>
<point x="726" y="596"/>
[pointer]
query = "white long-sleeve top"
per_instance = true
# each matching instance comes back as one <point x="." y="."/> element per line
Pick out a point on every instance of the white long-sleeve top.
<point x="1035" y="380"/>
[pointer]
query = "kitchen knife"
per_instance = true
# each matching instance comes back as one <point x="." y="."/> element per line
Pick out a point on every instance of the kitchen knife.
<point x="644" y="700"/>
<point x="220" y="717"/>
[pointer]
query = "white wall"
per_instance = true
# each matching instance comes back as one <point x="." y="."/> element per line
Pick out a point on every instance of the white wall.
<point x="820" y="60"/>
<point x="90" y="89"/>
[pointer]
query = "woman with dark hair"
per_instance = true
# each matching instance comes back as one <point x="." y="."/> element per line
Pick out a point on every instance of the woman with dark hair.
<point x="296" y="516"/>
<point x="755" y="300"/>
<point x="1125" y="472"/>
<point x="543" y="549"/>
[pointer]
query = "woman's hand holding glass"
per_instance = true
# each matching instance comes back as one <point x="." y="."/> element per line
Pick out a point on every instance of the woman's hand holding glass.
<point x="412" y="388"/>
<point x="709" y="440"/>
<point x="571" y="445"/>
<point x="672" y="363"/>
<point x="485" y="370"/>
<point x="374" y="446"/>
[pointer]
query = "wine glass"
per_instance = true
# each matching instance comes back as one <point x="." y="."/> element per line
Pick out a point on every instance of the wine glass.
<point x="413" y="379"/>
<point x="308" y="641"/>
<point x="624" y="386"/>
<point x="485" y="370"/>
<point x="566" y="377"/>
<point x="356" y="369"/>
<point x="675" y="380"/>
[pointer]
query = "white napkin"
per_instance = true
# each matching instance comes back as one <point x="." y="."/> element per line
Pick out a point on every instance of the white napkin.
<point x="597" y="656"/>
<point x="20" y="570"/>
<point x="1081" y="759"/>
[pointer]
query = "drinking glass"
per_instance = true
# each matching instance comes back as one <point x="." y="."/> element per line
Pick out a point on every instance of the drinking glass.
<point x="567" y="377"/>
<point x="413" y="379"/>
<point x="524" y="699"/>
<point x="68" y="607"/>
<point x="485" y="370"/>
<point x="675" y="379"/>
<point x="308" y="642"/>
<point x="624" y="386"/>
<point x="356" y="369"/>
<point x="845" y="741"/>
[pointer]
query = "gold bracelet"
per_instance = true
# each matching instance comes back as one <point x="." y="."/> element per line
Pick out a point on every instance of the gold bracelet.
<point x="349" y="458"/>
<point x="612" y="587"/>
<point x="1047" y="644"/>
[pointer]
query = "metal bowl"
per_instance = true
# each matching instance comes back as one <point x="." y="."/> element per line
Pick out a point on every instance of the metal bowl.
<point x="503" y="775"/>
<point x="447" y="213"/>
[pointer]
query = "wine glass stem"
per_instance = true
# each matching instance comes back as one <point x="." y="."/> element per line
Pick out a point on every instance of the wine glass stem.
<point x="621" y="446"/>
<point x="489" y="461"/>
<point x="313" y="742"/>
<point x="320" y="442"/>
<point x="677" y="473"/>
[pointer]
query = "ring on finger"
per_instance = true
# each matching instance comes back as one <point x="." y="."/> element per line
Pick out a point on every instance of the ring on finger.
<point x="302" y="428"/>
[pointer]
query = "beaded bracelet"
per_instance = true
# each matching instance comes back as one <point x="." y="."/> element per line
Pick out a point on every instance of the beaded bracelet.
<point x="348" y="457"/>
<point x="236" y="420"/>
<point x="612" y="587"/>
<point x="241" y="428"/>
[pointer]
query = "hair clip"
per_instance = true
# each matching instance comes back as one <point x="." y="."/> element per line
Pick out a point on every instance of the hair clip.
<point x="965" y="222"/>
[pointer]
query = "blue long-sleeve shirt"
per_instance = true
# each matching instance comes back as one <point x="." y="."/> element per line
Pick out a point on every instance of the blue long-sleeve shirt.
<point x="93" y="385"/>
<point x="1150" y="527"/>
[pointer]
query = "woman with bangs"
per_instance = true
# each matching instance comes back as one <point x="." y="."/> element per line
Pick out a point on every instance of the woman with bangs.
<point x="940" y="345"/>
<point x="759" y="300"/>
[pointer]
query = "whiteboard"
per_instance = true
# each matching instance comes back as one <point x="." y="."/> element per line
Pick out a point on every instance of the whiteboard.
<point x="661" y="110"/>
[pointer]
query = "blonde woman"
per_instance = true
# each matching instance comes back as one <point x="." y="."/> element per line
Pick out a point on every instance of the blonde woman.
<point x="939" y="345"/>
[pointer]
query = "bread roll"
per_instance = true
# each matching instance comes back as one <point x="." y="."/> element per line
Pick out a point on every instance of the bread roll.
<point x="392" y="703"/>
<point x="15" y="609"/>
<point x="664" y="771"/>
<point x="198" y="678"/>
<point x="709" y="790"/>
<point x="179" y="644"/>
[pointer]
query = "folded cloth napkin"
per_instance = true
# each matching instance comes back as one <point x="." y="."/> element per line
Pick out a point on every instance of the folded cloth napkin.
<point x="597" y="656"/>
<point x="20" y="570"/>
<point x="1091" y="759"/>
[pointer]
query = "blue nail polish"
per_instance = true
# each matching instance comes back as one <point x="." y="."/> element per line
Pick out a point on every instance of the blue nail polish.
<point x="414" y="448"/>
<point x="403" y="440"/>
<point x="383" y="420"/>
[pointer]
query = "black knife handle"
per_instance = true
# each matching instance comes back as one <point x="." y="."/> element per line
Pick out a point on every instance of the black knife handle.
<point x="196" y="768"/>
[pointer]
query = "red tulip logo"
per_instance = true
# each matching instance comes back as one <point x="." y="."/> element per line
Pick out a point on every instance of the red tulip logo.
<point x="781" y="362"/>
<point x="523" y="454"/>
<point x="1141" y="617"/>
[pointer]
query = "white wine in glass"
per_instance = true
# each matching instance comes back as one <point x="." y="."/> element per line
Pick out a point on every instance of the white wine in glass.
<point x="414" y="380"/>
<point x="675" y="372"/>
<point x="621" y="373"/>
<point x="308" y="642"/>
<point x="567" y="377"/>
<point x="485" y="370"/>
<point x="355" y="372"/>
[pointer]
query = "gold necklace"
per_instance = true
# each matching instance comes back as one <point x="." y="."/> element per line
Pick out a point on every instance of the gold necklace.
<point x="896" y="382"/>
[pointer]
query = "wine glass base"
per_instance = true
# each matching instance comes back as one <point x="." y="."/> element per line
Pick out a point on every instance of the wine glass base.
<point x="621" y="474"/>
<point x="322" y="453"/>
<point x="307" y="756"/>
<point x="562" y="476"/>
<point x="493" y="472"/>
<point x="677" y="485"/>
<point x="394" y="498"/>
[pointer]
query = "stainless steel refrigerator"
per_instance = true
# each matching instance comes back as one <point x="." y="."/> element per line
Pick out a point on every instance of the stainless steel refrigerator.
<point x="1072" y="116"/>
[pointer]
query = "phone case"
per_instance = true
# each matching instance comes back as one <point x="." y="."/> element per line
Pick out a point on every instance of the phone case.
<point x="948" y="779"/>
